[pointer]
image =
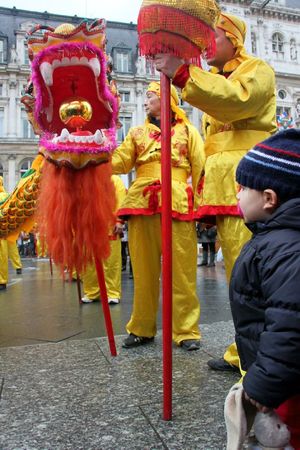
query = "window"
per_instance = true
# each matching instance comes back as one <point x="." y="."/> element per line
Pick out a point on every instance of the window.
<point x="122" y="61"/>
<point x="282" y="94"/>
<point x="126" y="124"/>
<point x="125" y="97"/>
<point x="27" y="131"/>
<point x="25" y="165"/>
<point x="277" y="43"/>
<point x="1" y="123"/>
<point x="283" y="110"/>
<point x="1" y="170"/>
<point x="2" y="51"/>
<point x="1" y="90"/>
<point x="253" y="43"/>
<point x="26" y="58"/>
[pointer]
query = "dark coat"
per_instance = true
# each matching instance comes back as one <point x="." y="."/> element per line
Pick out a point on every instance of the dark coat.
<point x="265" y="304"/>
<point x="206" y="233"/>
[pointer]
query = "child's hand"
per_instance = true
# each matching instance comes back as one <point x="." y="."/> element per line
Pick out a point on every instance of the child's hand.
<point x="261" y="408"/>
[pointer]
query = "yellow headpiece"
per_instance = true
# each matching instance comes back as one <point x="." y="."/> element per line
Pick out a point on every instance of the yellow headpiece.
<point x="1" y="185"/>
<point x="234" y="27"/>
<point x="235" y="30"/>
<point x="154" y="86"/>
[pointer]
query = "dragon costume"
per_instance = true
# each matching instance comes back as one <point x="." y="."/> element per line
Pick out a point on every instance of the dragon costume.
<point x="73" y="107"/>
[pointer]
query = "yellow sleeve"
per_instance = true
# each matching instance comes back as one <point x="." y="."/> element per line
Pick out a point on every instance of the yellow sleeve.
<point x="120" y="190"/>
<point x="240" y="97"/>
<point x="123" y="158"/>
<point x="196" y="155"/>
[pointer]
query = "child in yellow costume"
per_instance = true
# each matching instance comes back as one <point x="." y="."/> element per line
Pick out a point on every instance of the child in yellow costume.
<point x="112" y="265"/>
<point x="238" y="98"/>
<point x="141" y="150"/>
<point x="7" y="250"/>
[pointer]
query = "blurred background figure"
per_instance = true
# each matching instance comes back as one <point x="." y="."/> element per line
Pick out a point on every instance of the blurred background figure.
<point x="207" y="235"/>
<point x="125" y="251"/>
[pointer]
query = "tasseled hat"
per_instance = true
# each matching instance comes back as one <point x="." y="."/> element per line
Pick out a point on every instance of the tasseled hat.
<point x="273" y="164"/>
<point x="181" y="27"/>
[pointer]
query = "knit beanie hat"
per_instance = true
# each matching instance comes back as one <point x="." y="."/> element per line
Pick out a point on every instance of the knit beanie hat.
<point x="273" y="164"/>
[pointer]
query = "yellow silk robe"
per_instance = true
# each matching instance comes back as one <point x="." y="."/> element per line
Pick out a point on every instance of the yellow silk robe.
<point x="141" y="150"/>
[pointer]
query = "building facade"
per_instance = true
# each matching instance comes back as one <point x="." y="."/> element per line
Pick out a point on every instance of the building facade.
<point x="273" y="35"/>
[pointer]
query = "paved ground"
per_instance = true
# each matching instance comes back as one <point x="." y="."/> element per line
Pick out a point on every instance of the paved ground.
<point x="60" y="388"/>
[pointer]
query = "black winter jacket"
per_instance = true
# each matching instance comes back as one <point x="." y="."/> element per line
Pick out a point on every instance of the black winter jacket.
<point x="265" y="304"/>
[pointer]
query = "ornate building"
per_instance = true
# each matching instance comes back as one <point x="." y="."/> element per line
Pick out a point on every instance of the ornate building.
<point x="273" y="35"/>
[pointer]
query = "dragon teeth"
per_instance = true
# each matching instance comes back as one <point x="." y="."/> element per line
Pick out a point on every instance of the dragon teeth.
<point x="47" y="69"/>
<point x="47" y="73"/>
<point x="65" y="136"/>
<point x="98" y="137"/>
<point x="95" y="65"/>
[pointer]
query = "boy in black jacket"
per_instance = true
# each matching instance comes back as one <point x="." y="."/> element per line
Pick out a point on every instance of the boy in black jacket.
<point x="265" y="283"/>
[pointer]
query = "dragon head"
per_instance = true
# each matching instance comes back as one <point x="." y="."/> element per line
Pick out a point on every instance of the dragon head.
<point x="75" y="109"/>
<point x="72" y="103"/>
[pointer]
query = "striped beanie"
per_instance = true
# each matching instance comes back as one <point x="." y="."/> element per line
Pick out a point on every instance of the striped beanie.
<point x="273" y="164"/>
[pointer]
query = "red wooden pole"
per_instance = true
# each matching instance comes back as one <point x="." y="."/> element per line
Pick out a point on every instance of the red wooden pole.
<point x="105" y="307"/>
<point x="166" y="221"/>
<point x="51" y="267"/>
<point x="78" y="288"/>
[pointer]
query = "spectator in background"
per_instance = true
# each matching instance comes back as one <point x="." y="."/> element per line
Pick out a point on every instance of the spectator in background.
<point x="207" y="238"/>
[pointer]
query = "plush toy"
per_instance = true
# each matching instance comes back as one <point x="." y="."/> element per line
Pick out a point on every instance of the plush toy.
<point x="241" y="416"/>
<point x="270" y="431"/>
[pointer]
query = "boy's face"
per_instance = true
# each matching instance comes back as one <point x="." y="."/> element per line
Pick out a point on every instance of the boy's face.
<point x="253" y="204"/>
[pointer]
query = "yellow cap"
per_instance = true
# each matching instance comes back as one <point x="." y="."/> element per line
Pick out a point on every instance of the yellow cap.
<point x="154" y="86"/>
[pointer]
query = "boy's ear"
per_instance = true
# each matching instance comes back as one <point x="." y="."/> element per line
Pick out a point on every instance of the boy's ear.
<point x="271" y="200"/>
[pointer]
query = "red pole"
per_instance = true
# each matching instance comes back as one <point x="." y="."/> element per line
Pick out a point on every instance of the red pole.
<point x="105" y="307"/>
<point x="166" y="221"/>
<point x="78" y="288"/>
<point x="51" y="267"/>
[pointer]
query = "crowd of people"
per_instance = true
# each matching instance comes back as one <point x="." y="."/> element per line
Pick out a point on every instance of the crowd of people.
<point x="242" y="186"/>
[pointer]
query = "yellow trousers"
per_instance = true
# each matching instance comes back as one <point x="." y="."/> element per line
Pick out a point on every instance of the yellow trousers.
<point x="8" y="250"/>
<point x="14" y="255"/>
<point x="3" y="262"/>
<point x="144" y="239"/>
<point x="41" y="251"/>
<point x="232" y="235"/>
<point x="112" y="270"/>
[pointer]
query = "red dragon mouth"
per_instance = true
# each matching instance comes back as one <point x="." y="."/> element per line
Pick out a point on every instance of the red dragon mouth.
<point x="68" y="74"/>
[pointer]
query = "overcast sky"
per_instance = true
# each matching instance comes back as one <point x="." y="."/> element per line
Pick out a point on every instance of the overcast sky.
<point x="116" y="10"/>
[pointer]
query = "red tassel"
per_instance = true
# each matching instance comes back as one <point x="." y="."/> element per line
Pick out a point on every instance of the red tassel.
<point x="169" y="30"/>
<point x="75" y="213"/>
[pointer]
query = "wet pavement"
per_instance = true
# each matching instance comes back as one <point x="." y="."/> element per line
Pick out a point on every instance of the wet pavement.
<point x="61" y="389"/>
